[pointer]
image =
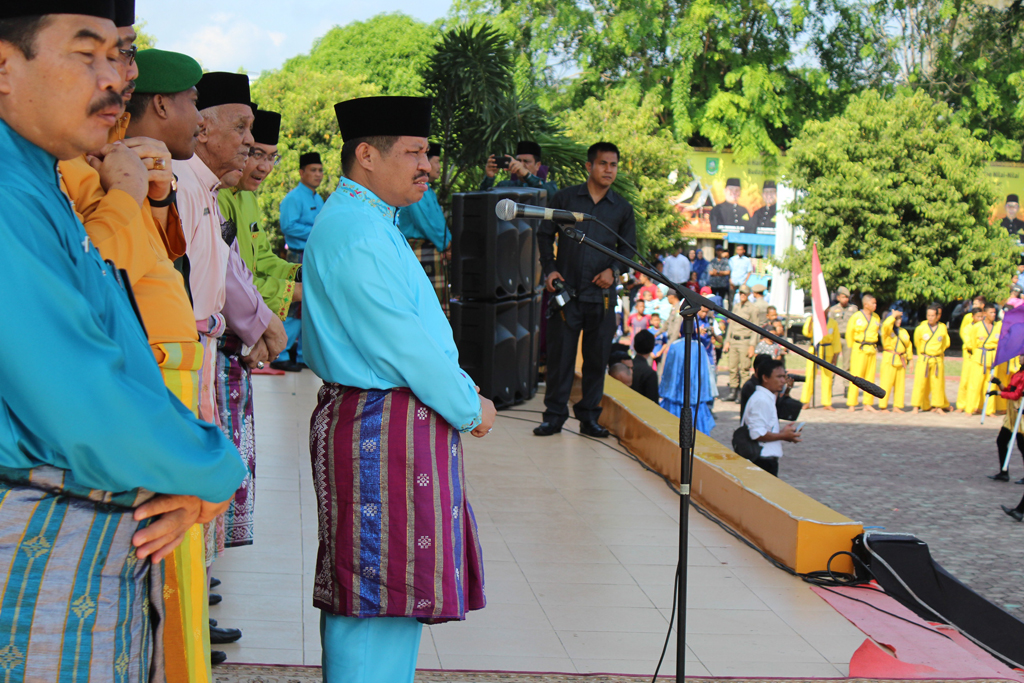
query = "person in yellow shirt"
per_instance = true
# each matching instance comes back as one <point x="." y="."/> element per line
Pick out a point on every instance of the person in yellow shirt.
<point x="896" y="353"/>
<point x="931" y="338"/>
<point x="984" y="340"/>
<point x="828" y="349"/>
<point x="971" y="317"/>
<point x="862" y="338"/>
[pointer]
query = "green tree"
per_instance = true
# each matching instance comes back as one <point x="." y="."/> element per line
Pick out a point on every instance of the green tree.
<point x="143" y="40"/>
<point x="631" y="119"/>
<point x="389" y="50"/>
<point x="895" y="194"/>
<point x="305" y="98"/>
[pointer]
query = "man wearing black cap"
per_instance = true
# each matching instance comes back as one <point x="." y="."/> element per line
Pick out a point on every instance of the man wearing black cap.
<point x="590" y="276"/>
<point x="729" y="216"/>
<point x="523" y="170"/>
<point x="397" y="536"/>
<point x="424" y="225"/>
<point x="1013" y="225"/>
<point x="299" y="210"/>
<point x="763" y="220"/>
<point x="118" y="428"/>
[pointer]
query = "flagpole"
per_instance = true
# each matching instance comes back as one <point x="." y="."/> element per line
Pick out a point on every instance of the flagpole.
<point x="1016" y="426"/>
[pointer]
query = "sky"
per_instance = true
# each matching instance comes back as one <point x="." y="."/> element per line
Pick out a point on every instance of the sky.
<point x="260" y="34"/>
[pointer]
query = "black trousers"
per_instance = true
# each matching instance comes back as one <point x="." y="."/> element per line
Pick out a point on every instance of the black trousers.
<point x="769" y="465"/>
<point x="1003" y="441"/>
<point x="596" y="322"/>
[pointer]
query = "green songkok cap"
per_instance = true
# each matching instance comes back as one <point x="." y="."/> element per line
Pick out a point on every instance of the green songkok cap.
<point x="166" y="73"/>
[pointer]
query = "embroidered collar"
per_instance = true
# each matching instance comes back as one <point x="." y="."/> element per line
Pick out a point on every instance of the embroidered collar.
<point x="357" y="191"/>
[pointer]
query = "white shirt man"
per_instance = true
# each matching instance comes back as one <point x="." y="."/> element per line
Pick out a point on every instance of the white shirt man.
<point x="762" y="419"/>
<point x="677" y="268"/>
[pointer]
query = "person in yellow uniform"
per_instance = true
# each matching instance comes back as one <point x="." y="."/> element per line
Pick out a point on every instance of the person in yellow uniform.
<point x="984" y="340"/>
<point x="862" y="338"/>
<point x="827" y="349"/>
<point x="896" y="354"/>
<point x="971" y="317"/>
<point x="931" y="338"/>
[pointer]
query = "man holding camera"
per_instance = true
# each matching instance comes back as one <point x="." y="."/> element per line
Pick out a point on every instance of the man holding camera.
<point x="588" y="277"/>
<point x="523" y="169"/>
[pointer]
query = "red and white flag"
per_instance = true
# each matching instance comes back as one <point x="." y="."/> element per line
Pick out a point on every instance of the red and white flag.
<point x="819" y="297"/>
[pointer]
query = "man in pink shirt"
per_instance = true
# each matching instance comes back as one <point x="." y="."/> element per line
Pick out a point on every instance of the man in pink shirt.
<point x="236" y="326"/>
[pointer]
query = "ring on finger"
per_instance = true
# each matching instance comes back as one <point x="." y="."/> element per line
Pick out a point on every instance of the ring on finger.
<point x="160" y="164"/>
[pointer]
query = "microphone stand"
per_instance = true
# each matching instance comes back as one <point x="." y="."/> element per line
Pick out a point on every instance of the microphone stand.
<point x="687" y="434"/>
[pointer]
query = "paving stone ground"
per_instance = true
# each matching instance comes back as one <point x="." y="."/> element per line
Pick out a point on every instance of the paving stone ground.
<point x="923" y="474"/>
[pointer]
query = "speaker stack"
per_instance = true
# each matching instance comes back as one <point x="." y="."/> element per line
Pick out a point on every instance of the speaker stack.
<point x="496" y="288"/>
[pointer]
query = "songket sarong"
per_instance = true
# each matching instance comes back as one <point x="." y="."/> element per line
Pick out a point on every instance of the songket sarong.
<point x="187" y="631"/>
<point x="396" y="534"/>
<point x="210" y="332"/>
<point x="77" y="604"/>
<point x="432" y="261"/>
<point x="234" y="401"/>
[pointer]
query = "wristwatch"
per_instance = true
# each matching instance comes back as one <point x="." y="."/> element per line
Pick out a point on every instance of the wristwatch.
<point x="169" y="199"/>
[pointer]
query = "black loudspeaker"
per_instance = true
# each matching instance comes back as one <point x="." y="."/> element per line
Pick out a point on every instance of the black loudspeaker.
<point x="487" y="347"/>
<point x="493" y="259"/>
<point x="528" y="346"/>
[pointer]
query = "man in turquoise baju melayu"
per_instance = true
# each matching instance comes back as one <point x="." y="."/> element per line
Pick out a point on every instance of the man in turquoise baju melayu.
<point x="299" y="210"/>
<point x="88" y="430"/>
<point x="424" y="225"/>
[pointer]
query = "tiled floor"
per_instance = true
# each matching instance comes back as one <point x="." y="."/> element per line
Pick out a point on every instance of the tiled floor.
<point x="579" y="549"/>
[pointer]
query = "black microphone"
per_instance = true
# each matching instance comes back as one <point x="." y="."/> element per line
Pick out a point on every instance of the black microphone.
<point x="507" y="210"/>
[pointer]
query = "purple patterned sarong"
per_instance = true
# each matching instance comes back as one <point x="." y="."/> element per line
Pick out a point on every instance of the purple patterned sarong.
<point x="397" y="536"/>
<point x="234" y="401"/>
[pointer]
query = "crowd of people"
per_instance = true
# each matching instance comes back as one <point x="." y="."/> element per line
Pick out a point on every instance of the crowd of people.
<point x="136" y="251"/>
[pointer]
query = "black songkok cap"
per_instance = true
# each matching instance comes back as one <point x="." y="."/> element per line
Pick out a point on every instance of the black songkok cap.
<point x="1012" y="198"/>
<point x="384" y="116"/>
<point x="124" y="13"/>
<point x="267" y="127"/>
<point x="769" y="185"/>
<point x="220" y="87"/>
<point x="732" y="182"/>
<point x="309" y="158"/>
<point x="92" y="8"/>
<point x="528" y="147"/>
<point x="435" y="150"/>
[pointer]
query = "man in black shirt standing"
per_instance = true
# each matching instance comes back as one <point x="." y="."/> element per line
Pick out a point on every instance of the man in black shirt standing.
<point x="1013" y="225"/>
<point x="590" y="276"/>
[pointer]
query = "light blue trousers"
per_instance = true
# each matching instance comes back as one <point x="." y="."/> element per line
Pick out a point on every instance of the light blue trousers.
<point x="372" y="650"/>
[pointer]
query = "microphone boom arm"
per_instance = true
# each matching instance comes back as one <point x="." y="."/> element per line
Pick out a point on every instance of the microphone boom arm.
<point x="694" y="301"/>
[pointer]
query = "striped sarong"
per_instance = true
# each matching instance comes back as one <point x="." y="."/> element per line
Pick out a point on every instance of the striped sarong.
<point x="209" y="332"/>
<point x="187" y="630"/>
<point x="77" y="604"/>
<point x="433" y="264"/>
<point x="396" y="534"/>
<point x="234" y="401"/>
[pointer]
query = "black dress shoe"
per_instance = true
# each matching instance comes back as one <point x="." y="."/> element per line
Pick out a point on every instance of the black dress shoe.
<point x="1002" y="476"/>
<point x="547" y="429"/>
<point x="300" y="366"/>
<point x="1019" y="481"/>
<point x="591" y="428"/>
<point x="221" y="636"/>
<point x="286" y="365"/>
<point x="731" y="396"/>
<point x="217" y="657"/>
<point x="1013" y="512"/>
<point x="215" y="599"/>
<point x="214" y="582"/>
<point x="213" y="622"/>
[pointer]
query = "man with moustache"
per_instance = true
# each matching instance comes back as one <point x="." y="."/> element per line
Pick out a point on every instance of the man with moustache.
<point x="79" y="557"/>
<point x="299" y="210"/>
<point x="591" y="275"/>
<point x="123" y="195"/>
<point x="230" y="314"/>
<point x="398" y="541"/>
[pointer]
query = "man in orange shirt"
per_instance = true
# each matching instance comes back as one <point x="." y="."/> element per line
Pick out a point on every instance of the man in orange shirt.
<point x="123" y="194"/>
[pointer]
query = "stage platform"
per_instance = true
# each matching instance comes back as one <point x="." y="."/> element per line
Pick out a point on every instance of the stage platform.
<point x="579" y="550"/>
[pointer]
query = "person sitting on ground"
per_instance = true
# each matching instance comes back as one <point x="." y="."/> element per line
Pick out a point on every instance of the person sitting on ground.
<point x="622" y="372"/>
<point x="645" y="379"/>
<point x="762" y="419"/>
<point x="709" y="294"/>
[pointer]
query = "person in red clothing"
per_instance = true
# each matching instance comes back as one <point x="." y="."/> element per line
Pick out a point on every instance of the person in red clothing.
<point x="1012" y="393"/>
